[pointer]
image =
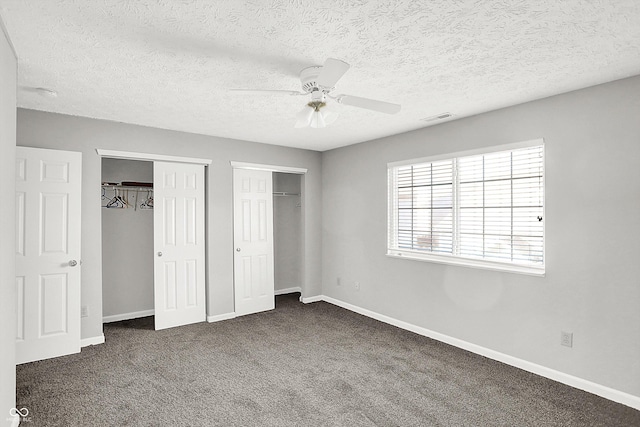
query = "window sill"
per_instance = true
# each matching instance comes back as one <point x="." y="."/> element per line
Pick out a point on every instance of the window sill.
<point x="468" y="262"/>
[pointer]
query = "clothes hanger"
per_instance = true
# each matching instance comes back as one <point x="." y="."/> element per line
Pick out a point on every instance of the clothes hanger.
<point x="116" y="201"/>
<point x="148" y="202"/>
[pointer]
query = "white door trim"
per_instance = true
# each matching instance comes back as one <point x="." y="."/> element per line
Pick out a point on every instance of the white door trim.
<point x="270" y="168"/>
<point x="130" y="155"/>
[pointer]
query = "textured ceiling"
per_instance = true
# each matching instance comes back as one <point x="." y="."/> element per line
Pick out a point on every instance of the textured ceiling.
<point x="169" y="64"/>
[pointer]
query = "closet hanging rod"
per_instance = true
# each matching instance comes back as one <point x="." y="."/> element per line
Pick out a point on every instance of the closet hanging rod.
<point x="284" y="193"/>
<point x="127" y="187"/>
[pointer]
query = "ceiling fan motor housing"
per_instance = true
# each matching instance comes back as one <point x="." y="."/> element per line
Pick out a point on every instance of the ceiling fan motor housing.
<point x="308" y="77"/>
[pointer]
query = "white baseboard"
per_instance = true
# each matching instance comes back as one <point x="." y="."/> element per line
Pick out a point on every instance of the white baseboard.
<point x="220" y="317"/>
<point x="92" y="341"/>
<point x="127" y="316"/>
<point x="308" y="300"/>
<point x="288" y="290"/>
<point x="570" y="380"/>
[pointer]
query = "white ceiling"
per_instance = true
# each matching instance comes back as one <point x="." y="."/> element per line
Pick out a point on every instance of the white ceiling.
<point x="170" y="63"/>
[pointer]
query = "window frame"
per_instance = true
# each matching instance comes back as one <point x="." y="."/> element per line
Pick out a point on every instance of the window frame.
<point x="458" y="260"/>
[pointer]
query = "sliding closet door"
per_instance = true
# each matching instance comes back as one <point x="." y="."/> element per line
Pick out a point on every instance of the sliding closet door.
<point x="253" y="240"/>
<point x="179" y="278"/>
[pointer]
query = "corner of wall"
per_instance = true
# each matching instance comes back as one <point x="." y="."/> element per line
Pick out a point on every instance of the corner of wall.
<point x="8" y="72"/>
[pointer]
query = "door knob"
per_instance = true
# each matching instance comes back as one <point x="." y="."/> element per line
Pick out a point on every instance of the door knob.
<point x="159" y="253"/>
<point x="73" y="263"/>
<point x="237" y="249"/>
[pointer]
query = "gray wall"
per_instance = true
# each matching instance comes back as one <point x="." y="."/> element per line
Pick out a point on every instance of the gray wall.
<point x="287" y="227"/>
<point x="592" y="282"/>
<point x="127" y="244"/>
<point x="48" y="130"/>
<point x="7" y="227"/>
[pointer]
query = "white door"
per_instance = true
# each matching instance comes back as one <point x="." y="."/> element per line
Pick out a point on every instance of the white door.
<point x="48" y="186"/>
<point x="178" y="224"/>
<point x="253" y="241"/>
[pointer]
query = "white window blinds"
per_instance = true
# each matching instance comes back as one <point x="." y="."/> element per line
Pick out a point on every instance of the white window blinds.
<point x="486" y="207"/>
<point x="425" y="207"/>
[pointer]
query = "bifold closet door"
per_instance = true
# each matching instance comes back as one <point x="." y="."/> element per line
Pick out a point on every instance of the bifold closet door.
<point x="47" y="253"/>
<point x="179" y="244"/>
<point x="253" y="241"/>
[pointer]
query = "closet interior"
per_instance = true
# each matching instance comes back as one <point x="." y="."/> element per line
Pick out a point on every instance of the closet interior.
<point x="127" y="239"/>
<point x="287" y="232"/>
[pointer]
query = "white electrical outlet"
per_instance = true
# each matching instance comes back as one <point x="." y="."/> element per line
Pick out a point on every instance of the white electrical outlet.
<point x="84" y="311"/>
<point x="338" y="282"/>
<point x="356" y="285"/>
<point x="566" y="339"/>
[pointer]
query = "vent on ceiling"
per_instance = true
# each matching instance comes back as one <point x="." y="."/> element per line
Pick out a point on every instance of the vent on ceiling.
<point x="440" y="116"/>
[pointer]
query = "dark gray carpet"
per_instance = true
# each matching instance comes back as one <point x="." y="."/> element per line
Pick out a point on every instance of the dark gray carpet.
<point x="299" y="365"/>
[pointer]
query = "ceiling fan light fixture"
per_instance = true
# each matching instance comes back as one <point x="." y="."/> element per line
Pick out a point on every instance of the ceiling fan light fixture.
<point x="303" y="118"/>
<point x="314" y="115"/>
<point x="317" y="120"/>
<point x="331" y="112"/>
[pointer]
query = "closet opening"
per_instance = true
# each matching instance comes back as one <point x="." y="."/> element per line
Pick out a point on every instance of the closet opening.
<point x="153" y="238"/>
<point x="127" y="240"/>
<point x="287" y="235"/>
<point x="269" y="243"/>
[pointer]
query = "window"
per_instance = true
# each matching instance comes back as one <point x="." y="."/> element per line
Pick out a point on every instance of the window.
<point x="483" y="209"/>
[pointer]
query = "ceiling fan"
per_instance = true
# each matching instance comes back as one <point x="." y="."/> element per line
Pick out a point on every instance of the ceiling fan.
<point x="319" y="82"/>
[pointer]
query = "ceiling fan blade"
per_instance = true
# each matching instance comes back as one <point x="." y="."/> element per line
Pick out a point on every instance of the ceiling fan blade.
<point x="332" y="71"/>
<point x="369" y="104"/>
<point x="267" y="91"/>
